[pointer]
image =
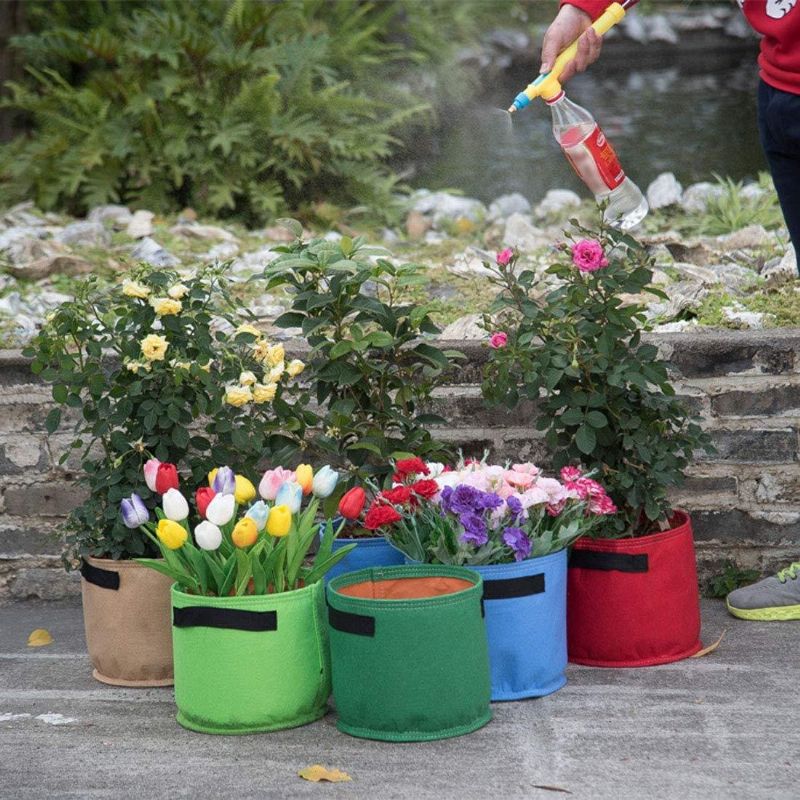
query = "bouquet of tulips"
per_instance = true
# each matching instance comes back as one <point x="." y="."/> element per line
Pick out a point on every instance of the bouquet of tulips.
<point x="241" y="544"/>
<point x="480" y="513"/>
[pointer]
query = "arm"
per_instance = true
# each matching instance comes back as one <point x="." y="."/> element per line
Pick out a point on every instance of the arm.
<point x="573" y="19"/>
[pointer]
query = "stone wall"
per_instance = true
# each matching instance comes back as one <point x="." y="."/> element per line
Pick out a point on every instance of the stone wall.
<point x="745" y="500"/>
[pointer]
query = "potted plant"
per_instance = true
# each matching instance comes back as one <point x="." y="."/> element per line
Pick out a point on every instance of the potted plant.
<point x="512" y="525"/>
<point x="605" y="400"/>
<point x="161" y="369"/>
<point x="249" y="635"/>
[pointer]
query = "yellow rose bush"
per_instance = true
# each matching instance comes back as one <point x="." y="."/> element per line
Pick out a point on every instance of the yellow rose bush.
<point x="239" y="545"/>
<point x="164" y="365"/>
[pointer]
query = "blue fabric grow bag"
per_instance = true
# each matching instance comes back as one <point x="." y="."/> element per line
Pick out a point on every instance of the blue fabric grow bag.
<point x="526" y="623"/>
<point x="368" y="553"/>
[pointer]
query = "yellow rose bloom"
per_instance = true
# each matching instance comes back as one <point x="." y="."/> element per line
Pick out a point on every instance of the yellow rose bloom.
<point x="275" y="355"/>
<point x="244" y="491"/>
<point x="261" y="350"/>
<point x="276" y="373"/>
<point x="304" y="475"/>
<point x="178" y="291"/>
<point x="247" y="378"/>
<point x="264" y="392"/>
<point x="164" y="306"/>
<point x="245" y="532"/>
<point x="135" y="289"/>
<point x="296" y="366"/>
<point x="280" y="521"/>
<point x="154" y="347"/>
<point x="171" y="534"/>
<point x="207" y="367"/>
<point x="238" y="395"/>
<point x="247" y="328"/>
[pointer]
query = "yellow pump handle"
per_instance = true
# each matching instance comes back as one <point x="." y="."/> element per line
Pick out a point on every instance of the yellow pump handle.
<point x="549" y="87"/>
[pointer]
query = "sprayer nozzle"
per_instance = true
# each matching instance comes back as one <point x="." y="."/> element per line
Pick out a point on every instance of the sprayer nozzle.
<point x="512" y="109"/>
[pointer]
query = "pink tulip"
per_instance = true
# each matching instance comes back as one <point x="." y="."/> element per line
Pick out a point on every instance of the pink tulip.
<point x="273" y="480"/>
<point x="151" y="472"/>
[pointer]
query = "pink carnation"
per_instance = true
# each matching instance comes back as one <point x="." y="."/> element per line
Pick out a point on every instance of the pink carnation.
<point x="571" y="474"/>
<point x="588" y="255"/>
<point x="602" y="505"/>
<point x="504" y="257"/>
<point x="499" y="339"/>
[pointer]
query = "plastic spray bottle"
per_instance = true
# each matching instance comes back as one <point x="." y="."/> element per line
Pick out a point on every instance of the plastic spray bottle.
<point x="582" y="139"/>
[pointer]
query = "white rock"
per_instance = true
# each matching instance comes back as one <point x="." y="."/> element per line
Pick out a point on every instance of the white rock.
<point x="443" y="206"/>
<point x="194" y="231"/>
<point x="151" y="252"/>
<point x="782" y="271"/>
<point x="659" y="29"/>
<point x="738" y="28"/>
<point x="520" y="232"/>
<point x="141" y="224"/>
<point x="664" y="191"/>
<point x="20" y="215"/>
<point x="678" y="326"/>
<point x="470" y="262"/>
<point x="467" y="327"/>
<point x="508" y="204"/>
<point x="734" y="277"/>
<point x="18" y="233"/>
<point x="557" y="200"/>
<point x="255" y="261"/>
<point x="683" y="296"/>
<point x="21" y="252"/>
<point x="748" y="319"/>
<point x="118" y="216"/>
<point x="92" y="234"/>
<point x="692" y="272"/>
<point x="434" y="237"/>
<point x="10" y="304"/>
<point x="752" y="191"/>
<point x="751" y="236"/>
<point x="635" y="28"/>
<point x="222" y="251"/>
<point x="697" y="196"/>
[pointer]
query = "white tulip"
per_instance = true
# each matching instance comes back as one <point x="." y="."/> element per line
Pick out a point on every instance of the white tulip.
<point x="207" y="535"/>
<point x="175" y="506"/>
<point x="220" y="509"/>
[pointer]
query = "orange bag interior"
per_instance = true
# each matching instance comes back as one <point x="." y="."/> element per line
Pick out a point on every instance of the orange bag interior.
<point x="406" y="588"/>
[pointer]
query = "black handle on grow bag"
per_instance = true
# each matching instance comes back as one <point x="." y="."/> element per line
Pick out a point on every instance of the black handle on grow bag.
<point x="506" y="588"/>
<point x="204" y="617"/>
<point x="599" y="559"/>
<point x="104" y="578"/>
<point x="347" y="622"/>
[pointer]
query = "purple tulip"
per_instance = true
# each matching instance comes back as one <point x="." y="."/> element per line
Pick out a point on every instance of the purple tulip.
<point x="224" y="481"/>
<point x="134" y="511"/>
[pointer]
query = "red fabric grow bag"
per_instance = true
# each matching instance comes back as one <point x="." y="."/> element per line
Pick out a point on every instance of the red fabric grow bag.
<point x="634" y="602"/>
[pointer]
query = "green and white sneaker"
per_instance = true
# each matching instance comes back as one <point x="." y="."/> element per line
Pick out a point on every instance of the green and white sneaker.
<point x="771" y="599"/>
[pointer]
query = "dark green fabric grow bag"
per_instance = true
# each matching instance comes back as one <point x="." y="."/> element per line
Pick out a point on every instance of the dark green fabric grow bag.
<point x="409" y="652"/>
<point x="250" y="664"/>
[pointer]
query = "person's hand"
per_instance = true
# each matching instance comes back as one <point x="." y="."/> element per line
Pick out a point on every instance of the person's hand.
<point x="569" y="24"/>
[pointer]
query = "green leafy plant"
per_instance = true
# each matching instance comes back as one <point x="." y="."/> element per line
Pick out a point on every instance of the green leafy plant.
<point x="370" y="367"/>
<point x="604" y="395"/>
<point x="146" y="370"/>
<point x="732" y="577"/>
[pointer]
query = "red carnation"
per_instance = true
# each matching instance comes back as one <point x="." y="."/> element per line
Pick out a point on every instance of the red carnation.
<point x="203" y="496"/>
<point x="380" y="515"/>
<point x="409" y="466"/>
<point x="425" y="489"/>
<point x="400" y="495"/>
<point x="166" y="478"/>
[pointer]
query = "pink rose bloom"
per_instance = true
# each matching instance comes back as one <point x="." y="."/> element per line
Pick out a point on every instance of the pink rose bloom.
<point x="498" y="340"/>
<point x="527" y="469"/>
<point x="273" y="480"/>
<point x="571" y="474"/>
<point x="588" y="256"/>
<point x="521" y="480"/>
<point x="504" y="257"/>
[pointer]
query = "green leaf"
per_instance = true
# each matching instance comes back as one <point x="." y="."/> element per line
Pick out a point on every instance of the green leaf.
<point x="585" y="439"/>
<point x="597" y="419"/>
<point x="291" y="225"/>
<point x="340" y="349"/>
<point x="53" y="420"/>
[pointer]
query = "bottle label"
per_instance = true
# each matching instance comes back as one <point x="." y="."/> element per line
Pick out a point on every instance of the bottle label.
<point x="604" y="157"/>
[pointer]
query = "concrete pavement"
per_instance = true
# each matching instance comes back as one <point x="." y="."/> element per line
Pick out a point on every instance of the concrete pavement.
<point x="723" y="727"/>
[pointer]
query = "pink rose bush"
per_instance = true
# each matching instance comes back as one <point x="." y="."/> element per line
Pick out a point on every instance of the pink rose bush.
<point x="504" y="257"/>
<point x="588" y="255"/>
<point x="493" y="514"/>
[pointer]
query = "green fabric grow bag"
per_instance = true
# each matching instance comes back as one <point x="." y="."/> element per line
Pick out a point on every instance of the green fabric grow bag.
<point x="409" y="652"/>
<point x="250" y="664"/>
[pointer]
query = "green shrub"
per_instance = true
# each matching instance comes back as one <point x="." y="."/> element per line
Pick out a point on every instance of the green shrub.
<point x="370" y="368"/>
<point x="235" y="108"/>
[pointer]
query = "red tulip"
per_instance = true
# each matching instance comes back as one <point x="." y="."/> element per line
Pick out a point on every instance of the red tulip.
<point x="352" y="503"/>
<point x="203" y="496"/>
<point x="166" y="478"/>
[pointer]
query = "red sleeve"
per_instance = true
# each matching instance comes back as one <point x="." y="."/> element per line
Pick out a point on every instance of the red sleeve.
<point x="594" y="8"/>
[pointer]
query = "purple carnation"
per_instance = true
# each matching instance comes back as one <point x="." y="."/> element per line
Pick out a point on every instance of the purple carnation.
<point x="518" y="541"/>
<point x="514" y="506"/>
<point x="489" y="500"/>
<point x="474" y="530"/>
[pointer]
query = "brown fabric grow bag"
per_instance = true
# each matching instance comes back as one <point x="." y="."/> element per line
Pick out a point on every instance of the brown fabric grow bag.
<point x="634" y="602"/>
<point x="128" y="622"/>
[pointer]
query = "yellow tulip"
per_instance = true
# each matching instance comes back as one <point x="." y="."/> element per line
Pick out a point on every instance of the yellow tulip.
<point x="244" y="491"/>
<point x="304" y="475"/>
<point x="245" y="532"/>
<point x="172" y="535"/>
<point x="212" y="475"/>
<point x="280" y="521"/>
